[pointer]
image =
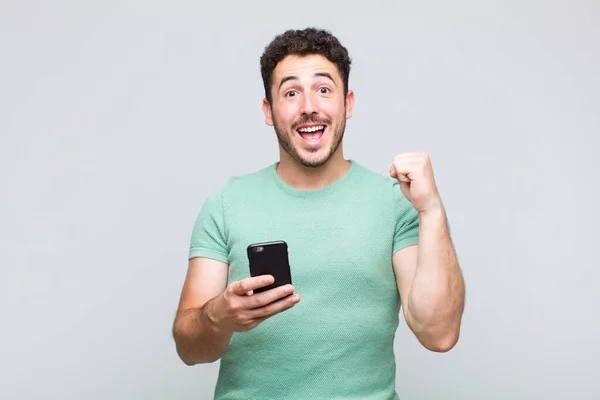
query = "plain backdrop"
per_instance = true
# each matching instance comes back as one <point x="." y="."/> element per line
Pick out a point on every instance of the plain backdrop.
<point x="118" y="118"/>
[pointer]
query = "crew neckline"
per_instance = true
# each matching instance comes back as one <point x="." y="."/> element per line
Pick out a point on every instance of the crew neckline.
<point x="335" y="185"/>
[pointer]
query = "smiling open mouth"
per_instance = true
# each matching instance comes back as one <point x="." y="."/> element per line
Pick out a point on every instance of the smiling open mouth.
<point x="312" y="134"/>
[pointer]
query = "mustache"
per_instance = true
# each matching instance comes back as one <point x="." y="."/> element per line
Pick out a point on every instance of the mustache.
<point x="310" y="120"/>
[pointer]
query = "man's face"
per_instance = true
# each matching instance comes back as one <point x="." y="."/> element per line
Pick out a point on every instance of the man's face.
<point x="308" y="111"/>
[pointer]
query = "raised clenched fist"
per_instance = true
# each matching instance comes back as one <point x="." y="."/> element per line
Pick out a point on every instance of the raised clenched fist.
<point x="414" y="172"/>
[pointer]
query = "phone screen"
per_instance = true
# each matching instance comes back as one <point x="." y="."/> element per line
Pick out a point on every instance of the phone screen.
<point x="270" y="258"/>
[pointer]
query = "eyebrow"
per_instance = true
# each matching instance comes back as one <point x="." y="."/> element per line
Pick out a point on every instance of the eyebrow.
<point x="295" y="78"/>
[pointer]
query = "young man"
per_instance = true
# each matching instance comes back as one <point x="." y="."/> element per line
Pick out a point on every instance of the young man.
<point x="360" y="245"/>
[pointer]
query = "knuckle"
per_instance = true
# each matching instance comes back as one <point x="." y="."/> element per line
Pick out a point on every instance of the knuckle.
<point x="265" y="311"/>
<point x="291" y="300"/>
<point x="230" y="291"/>
<point x="240" y="319"/>
<point x="256" y="302"/>
<point x="243" y="287"/>
<point x="234" y="307"/>
<point x="282" y="291"/>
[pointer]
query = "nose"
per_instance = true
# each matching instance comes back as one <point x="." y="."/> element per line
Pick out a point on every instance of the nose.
<point x="309" y="104"/>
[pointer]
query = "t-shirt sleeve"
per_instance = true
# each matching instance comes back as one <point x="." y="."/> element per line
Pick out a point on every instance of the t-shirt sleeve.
<point x="208" y="235"/>
<point x="407" y="221"/>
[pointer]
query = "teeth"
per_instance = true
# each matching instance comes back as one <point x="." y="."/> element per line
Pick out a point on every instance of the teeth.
<point x="311" y="129"/>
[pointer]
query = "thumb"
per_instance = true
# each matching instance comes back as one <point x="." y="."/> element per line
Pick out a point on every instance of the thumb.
<point x="405" y="188"/>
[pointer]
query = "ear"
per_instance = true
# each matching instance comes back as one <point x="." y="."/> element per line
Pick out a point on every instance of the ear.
<point x="266" y="107"/>
<point x="349" y="103"/>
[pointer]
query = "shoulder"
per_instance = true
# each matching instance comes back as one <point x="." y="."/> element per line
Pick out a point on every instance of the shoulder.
<point x="229" y="194"/>
<point x="369" y="179"/>
<point x="384" y="191"/>
<point x="240" y="185"/>
<point x="245" y="183"/>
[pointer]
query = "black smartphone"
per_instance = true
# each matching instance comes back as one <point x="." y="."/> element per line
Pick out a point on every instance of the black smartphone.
<point x="270" y="258"/>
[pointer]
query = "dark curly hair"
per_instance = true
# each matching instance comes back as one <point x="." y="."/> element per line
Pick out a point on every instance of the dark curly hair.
<point x="304" y="42"/>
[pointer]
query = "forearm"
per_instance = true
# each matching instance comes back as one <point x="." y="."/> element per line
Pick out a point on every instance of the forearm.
<point x="436" y="298"/>
<point x="197" y="336"/>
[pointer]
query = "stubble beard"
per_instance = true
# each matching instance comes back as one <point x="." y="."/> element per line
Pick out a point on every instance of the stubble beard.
<point x="285" y="141"/>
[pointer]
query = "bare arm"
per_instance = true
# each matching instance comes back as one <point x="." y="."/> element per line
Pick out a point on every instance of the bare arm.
<point x="210" y="312"/>
<point x="431" y="284"/>
<point x="197" y="337"/>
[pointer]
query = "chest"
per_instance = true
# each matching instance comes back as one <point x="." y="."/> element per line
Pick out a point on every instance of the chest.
<point x="335" y="248"/>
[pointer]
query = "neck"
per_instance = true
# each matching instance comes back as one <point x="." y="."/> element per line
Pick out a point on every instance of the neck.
<point x="304" y="178"/>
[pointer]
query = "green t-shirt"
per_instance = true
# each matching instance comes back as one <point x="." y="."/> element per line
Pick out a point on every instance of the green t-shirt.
<point x="337" y="342"/>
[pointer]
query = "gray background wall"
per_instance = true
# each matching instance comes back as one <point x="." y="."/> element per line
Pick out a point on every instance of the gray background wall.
<point x="118" y="118"/>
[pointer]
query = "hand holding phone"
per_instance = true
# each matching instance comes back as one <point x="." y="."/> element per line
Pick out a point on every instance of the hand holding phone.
<point x="248" y="302"/>
<point x="240" y="309"/>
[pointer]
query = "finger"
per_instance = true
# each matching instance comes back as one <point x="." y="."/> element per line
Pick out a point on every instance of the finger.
<point x="274" y="307"/>
<point x="250" y="293"/>
<point x="403" y="178"/>
<point x="406" y="169"/>
<point x="397" y="173"/>
<point x="410" y="162"/>
<point x="268" y="297"/>
<point x="405" y="189"/>
<point x="243" y="286"/>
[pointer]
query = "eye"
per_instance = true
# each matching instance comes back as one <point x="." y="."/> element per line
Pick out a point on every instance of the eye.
<point x="291" y="93"/>
<point x="324" y="90"/>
